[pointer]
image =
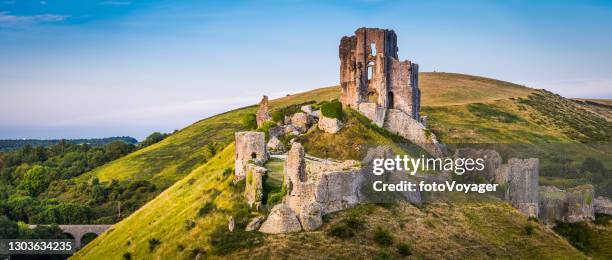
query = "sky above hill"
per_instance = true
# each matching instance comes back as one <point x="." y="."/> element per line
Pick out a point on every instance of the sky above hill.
<point x="71" y="69"/>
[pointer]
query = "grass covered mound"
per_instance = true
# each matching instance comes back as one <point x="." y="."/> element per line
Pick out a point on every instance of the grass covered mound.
<point x="434" y="231"/>
<point x="352" y="141"/>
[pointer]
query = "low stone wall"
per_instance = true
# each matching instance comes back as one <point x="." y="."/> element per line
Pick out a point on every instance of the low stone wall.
<point x="405" y="126"/>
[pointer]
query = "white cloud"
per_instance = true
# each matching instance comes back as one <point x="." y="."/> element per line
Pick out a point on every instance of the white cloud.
<point x="577" y="87"/>
<point x="9" y="19"/>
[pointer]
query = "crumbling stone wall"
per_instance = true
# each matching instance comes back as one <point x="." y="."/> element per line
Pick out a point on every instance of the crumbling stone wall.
<point x="553" y="206"/>
<point x="523" y="185"/>
<point x="580" y="204"/>
<point x="602" y="205"/>
<point x="401" y="124"/>
<point x="370" y="72"/>
<point x="254" y="185"/>
<point x="262" y="112"/>
<point x="315" y="187"/>
<point x="250" y="146"/>
<point x="574" y="205"/>
<point x="492" y="162"/>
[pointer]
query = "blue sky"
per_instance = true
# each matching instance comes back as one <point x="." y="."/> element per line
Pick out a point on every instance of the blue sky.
<point x="118" y="67"/>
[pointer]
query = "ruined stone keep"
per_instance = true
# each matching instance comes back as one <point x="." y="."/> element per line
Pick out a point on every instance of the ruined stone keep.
<point x="250" y="146"/>
<point x="372" y="77"/>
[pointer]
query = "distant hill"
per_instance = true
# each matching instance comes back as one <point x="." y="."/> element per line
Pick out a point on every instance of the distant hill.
<point x="11" y="144"/>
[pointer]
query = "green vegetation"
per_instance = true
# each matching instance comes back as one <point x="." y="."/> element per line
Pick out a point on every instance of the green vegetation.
<point x="594" y="240"/>
<point x="352" y="141"/>
<point x="279" y="114"/>
<point x="153" y="138"/>
<point x="403" y="249"/>
<point x="332" y="109"/>
<point x="9" y="145"/>
<point x="382" y="236"/>
<point x="492" y="113"/>
<point x="249" y="121"/>
<point x="193" y="168"/>
<point x="32" y="177"/>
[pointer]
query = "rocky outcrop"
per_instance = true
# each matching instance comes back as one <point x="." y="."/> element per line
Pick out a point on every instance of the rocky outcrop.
<point x="329" y="125"/>
<point x="250" y="147"/>
<point x="231" y="225"/>
<point x="300" y="121"/>
<point x="403" y="125"/>
<point x="523" y="185"/>
<point x="602" y="205"/>
<point x="254" y="185"/>
<point x="311" y="216"/>
<point x="262" y="113"/>
<point x="275" y="145"/>
<point x="282" y="219"/>
<point x="254" y="224"/>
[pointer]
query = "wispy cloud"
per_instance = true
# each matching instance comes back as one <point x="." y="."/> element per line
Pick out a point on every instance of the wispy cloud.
<point x="576" y="87"/>
<point x="9" y="19"/>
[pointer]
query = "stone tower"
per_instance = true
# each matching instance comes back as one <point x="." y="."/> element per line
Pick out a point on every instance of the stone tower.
<point x="262" y="112"/>
<point x="250" y="146"/>
<point x="373" y="79"/>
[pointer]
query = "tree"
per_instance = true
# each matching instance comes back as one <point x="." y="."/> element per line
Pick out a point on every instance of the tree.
<point x="8" y="228"/>
<point x="36" y="180"/>
<point x="116" y="149"/>
<point x="152" y="139"/>
<point x="249" y="121"/>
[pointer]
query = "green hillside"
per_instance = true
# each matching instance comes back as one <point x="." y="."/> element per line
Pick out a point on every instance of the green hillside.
<point x="191" y="216"/>
<point x="174" y="226"/>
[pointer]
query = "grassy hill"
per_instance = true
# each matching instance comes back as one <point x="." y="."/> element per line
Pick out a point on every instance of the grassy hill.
<point x="174" y="157"/>
<point x="190" y="217"/>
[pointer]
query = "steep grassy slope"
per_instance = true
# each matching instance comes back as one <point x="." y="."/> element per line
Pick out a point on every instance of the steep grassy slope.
<point x="191" y="217"/>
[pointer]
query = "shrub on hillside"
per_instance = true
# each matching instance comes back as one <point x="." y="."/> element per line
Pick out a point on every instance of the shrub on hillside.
<point x="404" y="249"/>
<point x="341" y="230"/>
<point x="207" y="208"/>
<point x="332" y="109"/>
<point x="249" y="121"/>
<point x="383" y="237"/>
<point x="153" y="243"/>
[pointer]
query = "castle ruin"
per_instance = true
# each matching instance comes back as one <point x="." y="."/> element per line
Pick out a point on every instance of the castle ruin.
<point x="250" y="146"/>
<point x="376" y="83"/>
<point x="372" y="77"/>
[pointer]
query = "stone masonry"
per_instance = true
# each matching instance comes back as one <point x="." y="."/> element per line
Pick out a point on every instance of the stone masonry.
<point x="262" y="113"/>
<point x="523" y="185"/>
<point x="374" y="82"/>
<point x="250" y="146"/>
<point x="370" y="72"/>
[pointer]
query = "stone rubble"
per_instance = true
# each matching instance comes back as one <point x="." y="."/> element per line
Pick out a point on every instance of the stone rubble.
<point x="282" y="219"/>
<point x="329" y="125"/>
